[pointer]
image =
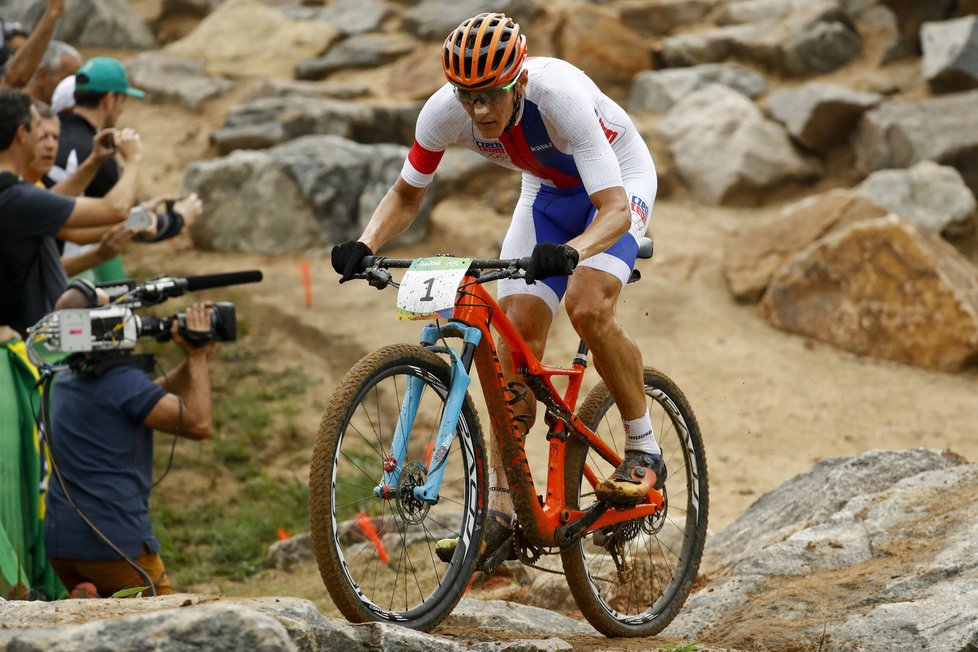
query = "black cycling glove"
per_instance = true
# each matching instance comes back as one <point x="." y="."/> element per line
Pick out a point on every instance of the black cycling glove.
<point x="348" y="257"/>
<point x="551" y="259"/>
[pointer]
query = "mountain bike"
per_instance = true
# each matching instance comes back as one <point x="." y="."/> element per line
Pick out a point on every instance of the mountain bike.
<point x="400" y="463"/>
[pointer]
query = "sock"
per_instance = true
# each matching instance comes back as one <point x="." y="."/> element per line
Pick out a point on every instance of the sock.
<point x="639" y="436"/>
<point x="499" y="498"/>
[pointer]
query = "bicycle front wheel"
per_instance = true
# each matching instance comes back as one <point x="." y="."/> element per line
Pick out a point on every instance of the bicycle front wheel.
<point x="631" y="579"/>
<point x="375" y="542"/>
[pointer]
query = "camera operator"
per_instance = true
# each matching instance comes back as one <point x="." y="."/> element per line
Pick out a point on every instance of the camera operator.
<point x="103" y="414"/>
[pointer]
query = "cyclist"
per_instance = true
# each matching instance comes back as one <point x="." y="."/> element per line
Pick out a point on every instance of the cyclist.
<point x="588" y="188"/>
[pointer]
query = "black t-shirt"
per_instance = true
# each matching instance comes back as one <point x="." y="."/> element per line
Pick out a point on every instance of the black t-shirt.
<point x="31" y="275"/>
<point x="75" y="146"/>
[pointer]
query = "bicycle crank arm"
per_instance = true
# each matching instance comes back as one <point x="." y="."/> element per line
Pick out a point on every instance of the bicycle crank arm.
<point x="573" y="531"/>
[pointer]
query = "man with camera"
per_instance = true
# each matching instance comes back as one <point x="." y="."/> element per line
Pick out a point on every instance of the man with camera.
<point x="103" y="413"/>
<point x="31" y="275"/>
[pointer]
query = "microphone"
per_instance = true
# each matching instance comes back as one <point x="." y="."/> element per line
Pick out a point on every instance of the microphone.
<point x="207" y="281"/>
<point x="168" y="287"/>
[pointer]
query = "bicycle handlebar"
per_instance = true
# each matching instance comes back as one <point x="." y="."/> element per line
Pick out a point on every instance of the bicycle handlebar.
<point x="477" y="264"/>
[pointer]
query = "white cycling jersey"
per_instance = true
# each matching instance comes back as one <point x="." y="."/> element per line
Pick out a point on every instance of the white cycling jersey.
<point x="567" y="133"/>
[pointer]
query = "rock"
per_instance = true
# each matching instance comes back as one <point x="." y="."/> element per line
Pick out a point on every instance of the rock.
<point x="930" y="195"/>
<point x="268" y="121"/>
<point x="512" y="617"/>
<point x="434" y="19"/>
<point x="725" y="150"/>
<point x="909" y="531"/>
<point x="754" y="255"/>
<point x="302" y="194"/>
<point x="660" y="17"/>
<point x="196" y="8"/>
<point x="289" y="88"/>
<point x="883" y="288"/>
<point x="800" y="38"/>
<point x="225" y="41"/>
<point x="741" y="12"/>
<point x="951" y="54"/>
<point x="910" y="16"/>
<point x="90" y="23"/>
<point x="659" y="90"/>
<point x="463" y="171"/>
<point x="900" y="134"/>
<point x="706" y="46"/>
<point x="285" y="555"/>
<point x="820" y="116"/>
<point x="416" y="76"/>
<point x="171" y="80"/>
<point x="594" y="39"/>
<point x="355" y="16"/>
<point x="360" y="51"/>
<point x="207" y="627"/>
<point x="387" y="637"/>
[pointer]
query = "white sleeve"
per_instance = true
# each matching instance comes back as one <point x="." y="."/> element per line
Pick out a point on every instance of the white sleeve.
<point x="571" y="110"/>
<point x="439" y="125"/>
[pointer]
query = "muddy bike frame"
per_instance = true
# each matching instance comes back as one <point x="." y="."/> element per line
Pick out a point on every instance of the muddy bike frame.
<point x="546" y="521"/>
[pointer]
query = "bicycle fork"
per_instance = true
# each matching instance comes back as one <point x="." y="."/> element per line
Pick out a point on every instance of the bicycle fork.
<point x="448" y="426"/>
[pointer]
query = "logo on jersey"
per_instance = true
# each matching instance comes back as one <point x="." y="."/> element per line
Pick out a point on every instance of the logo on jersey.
<point x="492" y="149"/>
<point x="640" y="210"/>
<point x="609" y="133"/>
<point x="538" y="148"/>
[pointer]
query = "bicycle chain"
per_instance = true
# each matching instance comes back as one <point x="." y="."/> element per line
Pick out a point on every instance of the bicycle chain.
<point x="520" y="546"/>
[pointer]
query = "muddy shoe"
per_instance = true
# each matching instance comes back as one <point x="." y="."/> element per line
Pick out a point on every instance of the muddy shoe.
<point x="635" y="476"/>
<point x="497" y="544"/>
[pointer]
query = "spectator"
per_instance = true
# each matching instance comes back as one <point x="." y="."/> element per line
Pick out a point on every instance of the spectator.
<point x="20" y="67"/>
<point x="112" y="240"/>
<point x="101" y="87"/>
<point x="31" y="275"/>
<point x="63" y="98"/>
<point x="102" y="424"/>
<point x="60" y="60"/>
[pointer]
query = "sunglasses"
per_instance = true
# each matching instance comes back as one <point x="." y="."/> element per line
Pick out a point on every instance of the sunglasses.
<point x="485" y="95"/>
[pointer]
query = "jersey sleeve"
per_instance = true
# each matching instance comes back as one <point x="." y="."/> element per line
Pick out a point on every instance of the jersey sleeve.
<point x="439" y="125"/>
<point x="570" y="108"/>
<point x="137" y="393"/>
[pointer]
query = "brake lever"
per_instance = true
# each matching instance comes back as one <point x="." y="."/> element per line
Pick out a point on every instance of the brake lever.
<point x="378" y="277"/>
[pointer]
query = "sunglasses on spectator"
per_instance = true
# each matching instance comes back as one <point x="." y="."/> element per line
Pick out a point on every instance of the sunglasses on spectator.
<point x="485" y="95"/>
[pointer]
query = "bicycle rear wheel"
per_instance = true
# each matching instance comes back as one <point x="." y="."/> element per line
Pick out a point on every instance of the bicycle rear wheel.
<point x="376" y="553"/>
<point x="662" y="551"/>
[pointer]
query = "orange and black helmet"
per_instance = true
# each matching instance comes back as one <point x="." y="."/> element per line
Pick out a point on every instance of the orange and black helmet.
<point x="484" y="51"/>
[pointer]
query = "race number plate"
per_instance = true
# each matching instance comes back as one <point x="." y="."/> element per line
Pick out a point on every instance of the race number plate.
<point x="428" y="288"/>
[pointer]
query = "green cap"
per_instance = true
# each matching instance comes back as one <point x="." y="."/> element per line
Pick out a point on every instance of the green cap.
<point x="104" y="75"/>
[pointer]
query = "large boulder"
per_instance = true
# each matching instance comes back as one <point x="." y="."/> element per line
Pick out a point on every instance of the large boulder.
<point x="227" y="41"/>
<point x="951" y="54"/>
<point x="358" y="51"/>
<point x="595" y="40"/>
<point x="659" y="90"/>
<point x="268" y="121"/>
<point x="306" y="193"/>
<point x="931" y="195"/>
<point x="879" y="546"/>
<point x="752" y="256"/>
<point x="90" y="23"/>
<point x="883" y="288"/>
<point x="900" y="134"/>
<point x="820" y="116"/>
<point x="355" y="16"/>
<point x="434" y="19"/>
<point x="660" y="17"/>
<point x="726" y="151"/>
<point x="167" y="79"/>
<point x="799" y="38"/>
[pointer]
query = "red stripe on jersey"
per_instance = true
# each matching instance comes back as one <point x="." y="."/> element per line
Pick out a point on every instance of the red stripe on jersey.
<point x="424" y="160"/>
<point x="519" y="152"/>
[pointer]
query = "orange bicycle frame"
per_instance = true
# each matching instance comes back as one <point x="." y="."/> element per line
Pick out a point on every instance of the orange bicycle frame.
<point x="543" y="519"/>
